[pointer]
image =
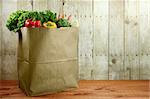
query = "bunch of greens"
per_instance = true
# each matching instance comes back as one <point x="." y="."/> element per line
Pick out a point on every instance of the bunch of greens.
<point x="47" y="16"/>
<point x="13" y="20"/>
<point x="17" y="19"/>
<point x="34" y="15"/>
<point x="63" y="23"/>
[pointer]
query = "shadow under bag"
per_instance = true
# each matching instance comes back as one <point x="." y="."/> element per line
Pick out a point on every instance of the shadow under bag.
<point x="47" y="60"/>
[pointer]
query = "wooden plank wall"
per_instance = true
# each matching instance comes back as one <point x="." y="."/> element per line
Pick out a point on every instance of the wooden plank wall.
<point x="100" y="39"/>
<point x="9" y="43"/>
<point x="113" y="39"/>
<point x="131" y="33"/>
<point x="116" y="39"/>
<point x="144" y="42"/>
<point x="0" y="38"/>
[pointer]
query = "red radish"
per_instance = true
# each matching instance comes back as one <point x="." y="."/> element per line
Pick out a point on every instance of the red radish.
<point x="32" y="23"/>
<point x="28" y="23"/>
<point x="37" y="23"/>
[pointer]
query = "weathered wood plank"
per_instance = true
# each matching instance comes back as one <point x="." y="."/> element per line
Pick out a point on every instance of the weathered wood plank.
<point x="0" y="67"/>
<point x="86" y="39"/>
<point x="0" y="26"/>
<point x="25" y="4"/>
<point x="116" y="39"/>
<point x="87" y="90"/>
<point x="9" y="67"/>
<point x="101" y="39"/>
<point x="144" y="28"/>
<point x="9" y="42"/>
<point x="55" y="5"/>
<point x="131" y="68"/>
<point x="9" y="39"/>
<point x="71" y="7"/>
<point x="40" y="5"/>
<point x="0" y="38"/>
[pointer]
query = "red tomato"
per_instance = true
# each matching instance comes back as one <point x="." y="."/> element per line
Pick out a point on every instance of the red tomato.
<point x="37" y="23"/>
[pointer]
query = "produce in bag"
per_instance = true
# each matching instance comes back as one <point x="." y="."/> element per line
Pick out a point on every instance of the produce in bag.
<point x="47" y="57"/>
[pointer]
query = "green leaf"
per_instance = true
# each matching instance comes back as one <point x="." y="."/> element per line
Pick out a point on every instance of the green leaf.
<point x="63" y="23"/>
<point x="12" y="21"/>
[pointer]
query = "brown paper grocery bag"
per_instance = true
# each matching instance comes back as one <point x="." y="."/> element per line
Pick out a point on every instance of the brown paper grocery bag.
<point x="47" y="60"/>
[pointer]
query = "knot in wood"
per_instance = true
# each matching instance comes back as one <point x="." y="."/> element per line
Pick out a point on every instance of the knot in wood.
<point x="114" y="61"/>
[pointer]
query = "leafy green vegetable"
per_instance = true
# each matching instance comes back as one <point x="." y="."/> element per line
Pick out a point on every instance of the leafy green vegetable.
<point x="17" y="19"/>
<point x="13" y="20"/>
<point x="63" y="23"/>
<point x="48" y="16"/>
<point x="22" y="19"/>
<point x="28" y="15"/>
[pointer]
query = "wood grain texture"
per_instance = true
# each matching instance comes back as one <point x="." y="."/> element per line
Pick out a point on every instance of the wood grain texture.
<point x="71" y="7"/>
<point x="131" y="65"/>
<point x="9" y="43"/>
<point x="87" y="90"/>
<point x="40" y="5"/>
<point x="144" y="10"/>
<point x="116" y="41"/>
<point x="113" y="41"/>
<point x="55" y="5"/>
<point x="86" y="39"/>
<point x="25" y="5"/>
<point x="0" y="38"/>
<point x="100" y="40"/>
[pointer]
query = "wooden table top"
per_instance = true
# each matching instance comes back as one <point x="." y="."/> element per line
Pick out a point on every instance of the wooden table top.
<point x="90" y="89"/>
